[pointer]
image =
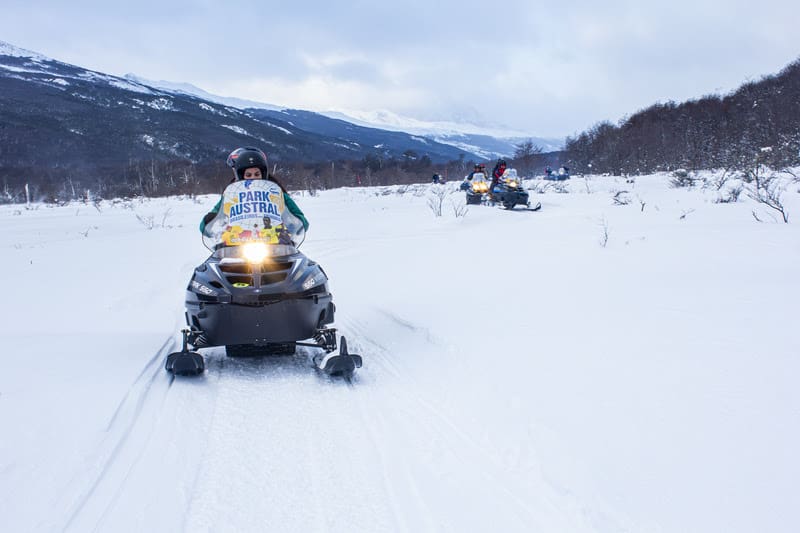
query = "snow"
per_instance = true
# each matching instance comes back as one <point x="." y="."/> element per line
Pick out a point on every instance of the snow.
<point x="121" y="84"/>
<point x="518" y="375"/>
<point x="281" y="128"/>
<point x="8" y="49"/>
<point x="211" y="109"/>
<point x="161" y="104"/>
<point x="389" y="120"/>
<point x="237" y="129"/>
<point x="187" y="88"/>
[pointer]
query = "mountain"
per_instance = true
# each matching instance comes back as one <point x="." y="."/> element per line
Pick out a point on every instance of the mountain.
<point x="55" y="115"/>
<point x="487" y="142"/>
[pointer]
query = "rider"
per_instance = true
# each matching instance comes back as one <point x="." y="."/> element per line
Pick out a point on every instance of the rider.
<point x="478" y="168"/>
<point x="251" y="164"/>
<point x="497" y="173"/>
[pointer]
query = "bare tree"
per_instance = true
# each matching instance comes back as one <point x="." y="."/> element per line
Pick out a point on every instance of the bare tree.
<point x="525" y="156"/>
<point x="768" y="190"/>
<point x="436" y="199"/>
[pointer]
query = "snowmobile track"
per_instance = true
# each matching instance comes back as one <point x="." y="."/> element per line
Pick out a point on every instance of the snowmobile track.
<point x="119" y="431"/>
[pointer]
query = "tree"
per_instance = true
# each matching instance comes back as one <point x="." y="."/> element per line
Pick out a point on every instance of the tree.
<point x="525" y="155"/>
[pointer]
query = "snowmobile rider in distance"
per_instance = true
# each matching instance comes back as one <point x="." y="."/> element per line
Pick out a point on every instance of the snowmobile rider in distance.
<point x="251" y="164"/>
<point x="478" y="168"/>
<point x="497" y="173"/>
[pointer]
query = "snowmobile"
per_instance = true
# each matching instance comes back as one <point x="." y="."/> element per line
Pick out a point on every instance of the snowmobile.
<point x="509" y="192"/>
<point x="561" y="175"/>
<point x="476" y="187"/>
<point x="257" y="294"/>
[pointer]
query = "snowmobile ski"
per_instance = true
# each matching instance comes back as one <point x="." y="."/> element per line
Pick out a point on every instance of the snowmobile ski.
<point x="185" y="362"/>
<point x="342" y="364"/>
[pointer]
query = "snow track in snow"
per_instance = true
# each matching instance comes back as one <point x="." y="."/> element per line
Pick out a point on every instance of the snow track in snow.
<point x="154" y="429"/>
<point x="119" y="430"/>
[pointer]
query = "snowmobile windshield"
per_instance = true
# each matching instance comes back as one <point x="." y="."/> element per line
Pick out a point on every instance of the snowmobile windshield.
<point x="253" y="215"/>
<point x="510" y="178"/>
<point x="479" y="183"/>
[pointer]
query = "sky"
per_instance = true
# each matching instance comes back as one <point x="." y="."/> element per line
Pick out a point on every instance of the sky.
<point x="548" y="69"/>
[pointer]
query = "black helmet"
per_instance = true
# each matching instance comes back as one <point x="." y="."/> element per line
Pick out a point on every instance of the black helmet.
<point x="501" y="162"/>
<point x="244" y="158"/>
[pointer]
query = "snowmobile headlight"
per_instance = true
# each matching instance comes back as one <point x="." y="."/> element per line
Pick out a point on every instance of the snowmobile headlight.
<point x="255" y="252"/>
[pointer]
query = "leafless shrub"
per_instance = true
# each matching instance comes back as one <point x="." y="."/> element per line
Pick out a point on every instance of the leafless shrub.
<point x="147" y="221"/>
<point x="603" y="232"/>
<point x="767" y="190"/>
<point x="719" y="182"/>
<point x="621" y="198"/>
<point x="682" y="178"/>
<point x="436" y="199"/>
<point x="460" y="209"/>
<point x="560" y="188"/>
<point x="586" y="184"/>
<point x="731" y="197"/>
<point x="164" y="218"/>
<point x="792" y="173"/>
<point x="540" y="187"/>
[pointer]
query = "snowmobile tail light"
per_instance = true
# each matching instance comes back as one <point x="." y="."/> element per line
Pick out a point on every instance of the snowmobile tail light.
<point x="255" y="252"/>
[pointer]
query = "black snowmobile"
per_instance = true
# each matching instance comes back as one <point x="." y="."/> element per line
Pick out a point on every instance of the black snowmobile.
<point x="509" y="192"/>
<point x="257" y="294"/>
<point x="476" y="186"/>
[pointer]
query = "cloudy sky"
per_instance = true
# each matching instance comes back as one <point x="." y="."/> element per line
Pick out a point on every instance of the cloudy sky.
<point x="545" y="68"/>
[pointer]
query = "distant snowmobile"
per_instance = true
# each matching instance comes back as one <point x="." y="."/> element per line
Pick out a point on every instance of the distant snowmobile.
<point x="509" y="192"/>
<point x="476" y="186"/>
<point x="561" y="175"/>
<point x="256" y="293"/>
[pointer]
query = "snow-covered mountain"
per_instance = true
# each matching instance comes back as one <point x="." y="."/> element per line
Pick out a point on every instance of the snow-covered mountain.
<point x="193" y="90"/>
<point x="491" y="140"/>
<point x="485" y="141"/>
<point x="62" y="116"/>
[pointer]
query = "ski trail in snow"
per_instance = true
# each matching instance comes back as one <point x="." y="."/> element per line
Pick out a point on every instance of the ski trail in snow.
<point x="159" y="427"/>
<point x="527" y="504"/>
<point x="172" y="446"/>
<point x="119" y="431"/>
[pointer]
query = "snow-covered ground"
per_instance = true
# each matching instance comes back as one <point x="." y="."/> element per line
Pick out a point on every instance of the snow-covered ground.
<point x="587" y="367"/>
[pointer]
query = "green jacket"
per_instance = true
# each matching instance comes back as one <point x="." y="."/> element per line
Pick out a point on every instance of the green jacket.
<point x="290" y="205"/>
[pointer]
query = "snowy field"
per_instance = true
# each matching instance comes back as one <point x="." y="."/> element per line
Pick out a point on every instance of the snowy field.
<point x="587" y="367"/>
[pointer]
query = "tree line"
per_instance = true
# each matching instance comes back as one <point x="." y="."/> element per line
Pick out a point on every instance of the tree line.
<point x="153" y="178"/>
<point x="758" y="123"/>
